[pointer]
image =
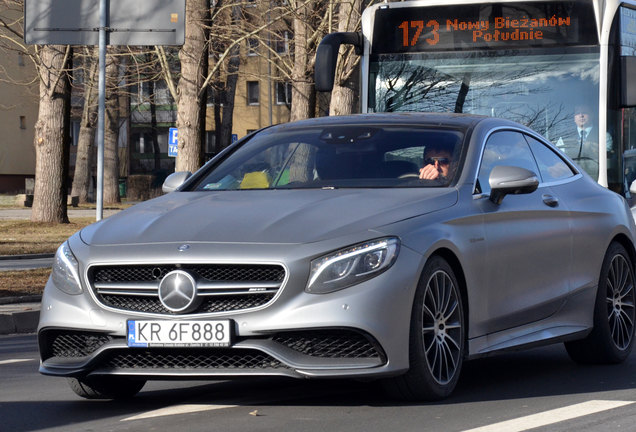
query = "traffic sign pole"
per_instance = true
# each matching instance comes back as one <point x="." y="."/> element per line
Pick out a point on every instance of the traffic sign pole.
<point x="101" y="110"/>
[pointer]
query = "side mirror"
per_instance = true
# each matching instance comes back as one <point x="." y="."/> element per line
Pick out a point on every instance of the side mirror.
<point x="175" y="180"/>
<point x="327" y="57"/>
<point x="505" y="180"/>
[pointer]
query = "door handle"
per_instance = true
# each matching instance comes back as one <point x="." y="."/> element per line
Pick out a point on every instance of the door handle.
<point x="550" y="200"/>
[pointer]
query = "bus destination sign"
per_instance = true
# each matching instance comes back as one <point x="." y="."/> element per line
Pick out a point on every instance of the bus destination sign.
<point x="483" y="26"/>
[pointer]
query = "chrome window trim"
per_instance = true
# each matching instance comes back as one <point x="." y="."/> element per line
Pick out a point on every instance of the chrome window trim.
<point x="536" y="136"/>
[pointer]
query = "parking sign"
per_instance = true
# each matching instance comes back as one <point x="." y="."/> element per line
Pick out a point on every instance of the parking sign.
<point x="173" y="142"/>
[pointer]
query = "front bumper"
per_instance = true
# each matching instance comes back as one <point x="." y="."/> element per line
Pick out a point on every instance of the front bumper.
<point x="291" y="353"/>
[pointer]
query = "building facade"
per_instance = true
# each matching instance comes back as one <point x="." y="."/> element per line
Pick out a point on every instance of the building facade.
<point x="18" y="114"/>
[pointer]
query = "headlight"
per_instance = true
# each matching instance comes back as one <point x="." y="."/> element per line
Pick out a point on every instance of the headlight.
<point x="353" y="265"/>
<point x="65" y="274"/>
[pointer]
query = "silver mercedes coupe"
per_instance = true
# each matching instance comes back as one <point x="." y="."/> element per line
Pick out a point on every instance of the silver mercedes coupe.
<point x="382" y="246"/>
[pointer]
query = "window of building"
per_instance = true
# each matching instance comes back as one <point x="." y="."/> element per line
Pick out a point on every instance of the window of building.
<point x="22" y="122"/>
<point x="139" y="93"/>
<point x="252" y="47"/>
<point x="215" y="97"/>
<point x="282" y="43"/>
<point x="75" y="131"/>
<point x="210" y="144"/>
<point x="252" y="93"/>
<point x="283" y="93"/>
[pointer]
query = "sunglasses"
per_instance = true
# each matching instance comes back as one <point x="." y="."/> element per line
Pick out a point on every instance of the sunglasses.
<point x="440" y="160"/>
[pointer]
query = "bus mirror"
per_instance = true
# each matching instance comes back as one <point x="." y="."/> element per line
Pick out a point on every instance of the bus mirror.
<point x="327" y="57"/>
<point x="628" y="82"/>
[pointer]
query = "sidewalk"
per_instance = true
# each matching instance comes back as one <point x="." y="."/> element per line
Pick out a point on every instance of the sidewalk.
<point x="22" y="314"/>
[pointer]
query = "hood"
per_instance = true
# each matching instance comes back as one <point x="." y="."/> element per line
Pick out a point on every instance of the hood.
<point x="270" y="216"/>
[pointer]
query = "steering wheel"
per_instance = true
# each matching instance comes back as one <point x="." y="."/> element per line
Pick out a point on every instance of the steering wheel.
<point x="409" y="175"/>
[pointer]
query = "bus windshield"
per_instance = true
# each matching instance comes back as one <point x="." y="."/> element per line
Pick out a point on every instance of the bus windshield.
<point x="542" y="88"/>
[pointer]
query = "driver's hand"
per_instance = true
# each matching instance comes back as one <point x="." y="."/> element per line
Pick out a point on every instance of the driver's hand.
<point x="429" y="172"/>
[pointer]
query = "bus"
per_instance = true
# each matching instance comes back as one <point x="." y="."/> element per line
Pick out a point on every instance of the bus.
<point x="549" y="65"/>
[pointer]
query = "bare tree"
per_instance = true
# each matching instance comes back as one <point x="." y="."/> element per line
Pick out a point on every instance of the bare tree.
<point x="111" y="128"/>
<point x="52" y="138"/>
<point x="191" y="90"/>
<point x="345" y="95"/>
<point x="86" y="139"/>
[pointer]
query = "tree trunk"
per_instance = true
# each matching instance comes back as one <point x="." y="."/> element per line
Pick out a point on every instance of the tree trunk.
<point x="194" y="65"/>
<point x="303" y="90"/>
<point x="344" y="97"/>
<point x="111" y="130"/>
<point x="86" y="139"/>
<point x="52" y="136"/>
<point x="153" y="125"/>
<point x="227" y="118"/>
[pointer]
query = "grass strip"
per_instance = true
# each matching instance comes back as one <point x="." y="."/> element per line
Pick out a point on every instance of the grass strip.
<point x="19" y="237"/>
<point x="18" y="283"/>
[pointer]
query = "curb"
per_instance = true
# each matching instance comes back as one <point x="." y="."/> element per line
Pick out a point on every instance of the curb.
<point x="19" y="322"/>
<point x="27" y="256"/>
<point x="23" y="299"/>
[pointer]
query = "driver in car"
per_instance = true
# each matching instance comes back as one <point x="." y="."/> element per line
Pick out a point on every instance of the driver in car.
<point x="436" y="163"/>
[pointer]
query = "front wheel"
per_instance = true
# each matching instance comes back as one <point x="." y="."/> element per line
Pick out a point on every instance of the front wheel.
<point x="612" y="337"/>
<point x="105" y="387"/>
<point x="437" y="334"/>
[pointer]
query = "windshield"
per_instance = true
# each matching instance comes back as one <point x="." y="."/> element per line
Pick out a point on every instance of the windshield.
<point x="539" y="88"/>
<point x="340" y="156"/>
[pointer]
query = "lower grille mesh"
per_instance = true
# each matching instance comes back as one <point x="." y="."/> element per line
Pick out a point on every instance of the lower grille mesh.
<point x="76" y="344"/>
<point x="328" y="343"/>
<point x="168" y="359"/>
<point x="325" y="343"/>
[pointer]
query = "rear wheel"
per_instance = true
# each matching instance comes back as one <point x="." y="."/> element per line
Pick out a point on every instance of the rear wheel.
<point x="612" y="337"/>
<point x="105" y="387"/>
<point x="436" y="346"/>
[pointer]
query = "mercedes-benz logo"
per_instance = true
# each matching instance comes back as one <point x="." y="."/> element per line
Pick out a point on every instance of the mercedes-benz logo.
<point x="178" y="291"/>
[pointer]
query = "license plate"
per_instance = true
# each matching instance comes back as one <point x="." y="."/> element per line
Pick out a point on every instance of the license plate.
<point x="179" y="333"/>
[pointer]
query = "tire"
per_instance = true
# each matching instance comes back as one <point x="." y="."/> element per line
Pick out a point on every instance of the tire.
<point x="612" y="337"/>
<point x="436" y="337"/>
<point x="105" y="387"/>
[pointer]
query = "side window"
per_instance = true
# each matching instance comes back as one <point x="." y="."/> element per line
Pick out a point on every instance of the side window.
<point x="504" y="148"/>
<point x="551" y="166"/>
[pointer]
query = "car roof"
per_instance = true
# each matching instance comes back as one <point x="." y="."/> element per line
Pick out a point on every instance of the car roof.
<point x="455" y="121"/>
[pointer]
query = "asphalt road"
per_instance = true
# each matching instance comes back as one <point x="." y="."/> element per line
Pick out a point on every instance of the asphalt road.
<point x="539" y="389"/>
<point x="25" y="264"/>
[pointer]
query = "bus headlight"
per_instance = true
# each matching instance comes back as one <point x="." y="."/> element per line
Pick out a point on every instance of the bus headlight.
<point x="65" y="274"/>
<point x="352" y="265"/>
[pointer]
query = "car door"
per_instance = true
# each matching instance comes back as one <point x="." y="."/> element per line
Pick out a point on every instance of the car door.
<point x="529" y="240"/>
<point x="590" y="212"/>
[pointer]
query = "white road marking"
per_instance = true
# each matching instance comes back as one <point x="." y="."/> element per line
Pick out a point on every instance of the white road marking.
<point x="178" y="409"/>
<point x="14" y="361"/>
<point x="553" y="416"/>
